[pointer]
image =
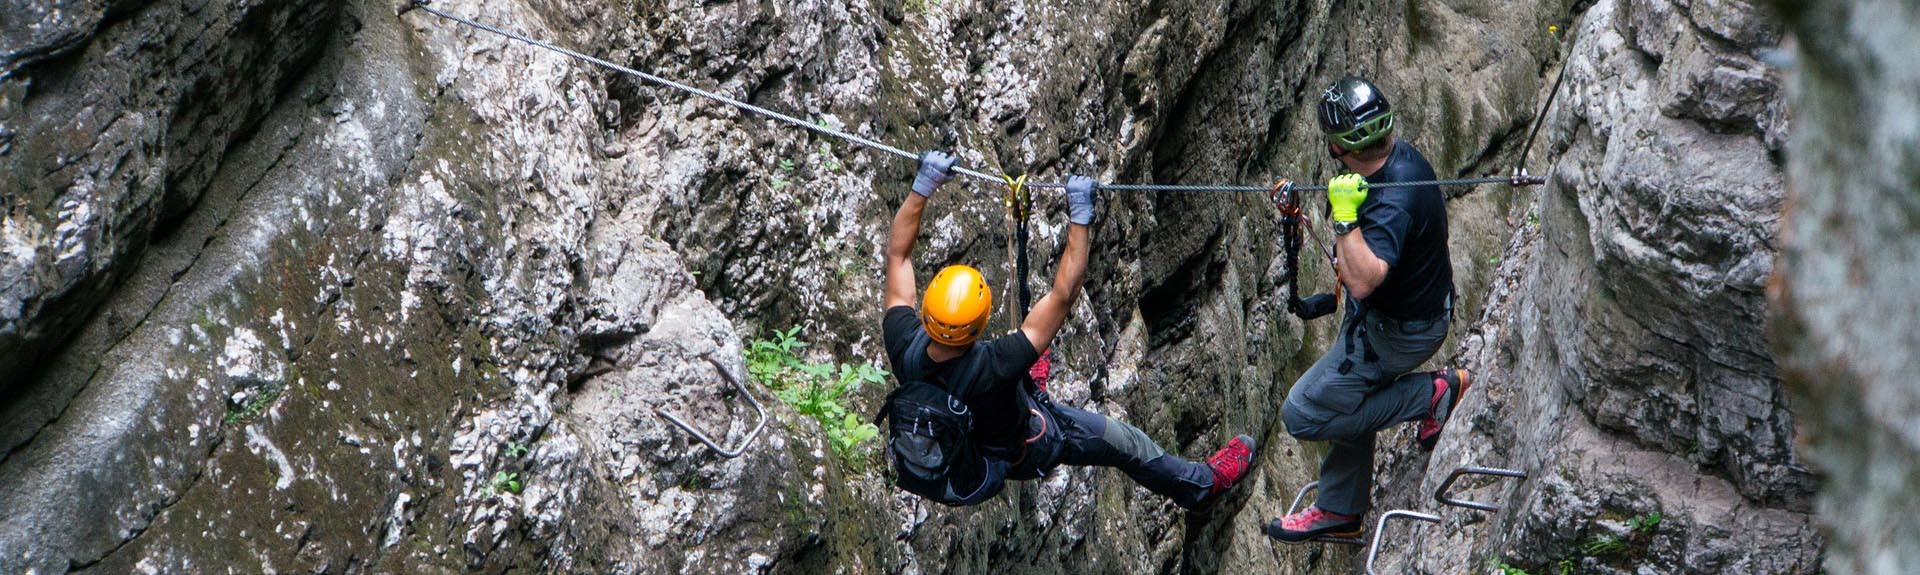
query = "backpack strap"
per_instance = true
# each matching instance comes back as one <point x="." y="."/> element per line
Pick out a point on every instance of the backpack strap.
<point x="967" y="375"/>
<point x="915" y="365"/>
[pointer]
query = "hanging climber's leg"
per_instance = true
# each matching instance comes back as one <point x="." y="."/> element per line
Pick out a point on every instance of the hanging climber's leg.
<point x="1095" y="439"/>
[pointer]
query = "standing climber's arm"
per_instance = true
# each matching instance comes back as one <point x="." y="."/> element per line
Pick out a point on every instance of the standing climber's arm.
<point x="1050" y="313"/>
<point x="1360" y="270"/>
<point x="935" y="169"/>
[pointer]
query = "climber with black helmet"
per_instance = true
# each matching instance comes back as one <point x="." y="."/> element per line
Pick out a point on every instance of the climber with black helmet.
<point x="967" y="416"/>
<point x="1391" y="255"/>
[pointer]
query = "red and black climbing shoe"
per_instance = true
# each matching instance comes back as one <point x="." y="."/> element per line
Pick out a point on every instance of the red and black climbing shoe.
<point x="1449" y="385"/>
<point x="1231" y="463"/>
<point x="1314" y="522"/>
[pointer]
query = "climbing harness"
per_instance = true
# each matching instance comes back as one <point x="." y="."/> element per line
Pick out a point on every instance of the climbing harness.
<point x="824" y="130"/>
<point x="1441" y="495"/>
<point x="760" y="413"/>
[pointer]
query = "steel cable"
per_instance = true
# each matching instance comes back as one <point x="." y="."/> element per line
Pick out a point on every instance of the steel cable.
<point x="869" y="143"/>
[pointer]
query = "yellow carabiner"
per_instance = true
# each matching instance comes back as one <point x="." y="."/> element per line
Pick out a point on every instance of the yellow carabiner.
<point x="1016" y="195"/>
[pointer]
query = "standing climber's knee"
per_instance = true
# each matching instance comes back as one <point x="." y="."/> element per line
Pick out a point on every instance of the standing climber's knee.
<point x="1300" y="424"/>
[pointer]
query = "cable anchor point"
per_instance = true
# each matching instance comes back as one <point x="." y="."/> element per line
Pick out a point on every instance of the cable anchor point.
<point x="1521" y="178"/>
<point x="409" y="5"/>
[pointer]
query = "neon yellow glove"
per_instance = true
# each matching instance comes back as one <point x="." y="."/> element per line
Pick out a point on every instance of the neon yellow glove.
<point x="1346" y="193"/>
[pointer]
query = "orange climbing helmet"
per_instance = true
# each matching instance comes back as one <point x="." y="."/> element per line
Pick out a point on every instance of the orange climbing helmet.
<point x="956" y="306"/>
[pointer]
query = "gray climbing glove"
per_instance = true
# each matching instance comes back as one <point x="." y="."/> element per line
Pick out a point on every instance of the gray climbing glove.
<point x="936" y="168"/>
<point x="1080" y="199"/>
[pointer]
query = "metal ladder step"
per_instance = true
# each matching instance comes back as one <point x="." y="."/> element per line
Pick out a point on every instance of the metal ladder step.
<point x="1441" y="495"/>
<point x="760" y="413"/>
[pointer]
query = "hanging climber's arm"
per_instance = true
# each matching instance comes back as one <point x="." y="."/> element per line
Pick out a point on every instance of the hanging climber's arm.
<point x="1050" y="313"/>
<point x="1361" y="270"/>
<point x="936" y="168"/>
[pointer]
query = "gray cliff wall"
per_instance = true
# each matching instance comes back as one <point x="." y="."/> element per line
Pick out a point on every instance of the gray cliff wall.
<point x="306" y="282"/>
<point x="1626" y="365"/>
<point x="1842" y="298"/>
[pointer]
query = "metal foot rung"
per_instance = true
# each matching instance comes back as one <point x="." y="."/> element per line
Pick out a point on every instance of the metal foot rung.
<point x="1445" y="486"/>
<point x="760" y="412"/>
<point x="1380" y="528"/>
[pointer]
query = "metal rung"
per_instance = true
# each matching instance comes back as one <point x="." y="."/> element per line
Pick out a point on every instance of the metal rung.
<point x="751" y="435"/>
<point x="1295" y="506"/>
<point x="1445" y="486"/>
<point x="1380" y="531"/>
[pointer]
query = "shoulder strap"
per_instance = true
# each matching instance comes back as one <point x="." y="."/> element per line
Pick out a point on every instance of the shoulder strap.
<point x="962" y="379"/>
<point x="972" y="369"/>
<point x="913" y="367"/>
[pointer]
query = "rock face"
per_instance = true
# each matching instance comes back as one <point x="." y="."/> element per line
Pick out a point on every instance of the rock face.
<point x="1842" y="307"/>
<point x="301" y="286"/>
<point x="1624" y="363"/>
<point x="116" y="118"/>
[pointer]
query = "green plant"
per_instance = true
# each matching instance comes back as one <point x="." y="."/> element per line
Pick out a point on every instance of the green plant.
<point x="516" y="449"/>
<point x="1643" y="524"/>
<point x="258" y="404"/>
<point x="920" y="6"/>
<point x="817" y="390"/>
<point x="504" y="481"/>
<point x="1567" y="565"/>
<point x="1602" y="546"/>
<point x="786" y="164"/>
<point x="1502" y="568"/>
<point x="825" y="156"/>
<point x="778" y="183"/>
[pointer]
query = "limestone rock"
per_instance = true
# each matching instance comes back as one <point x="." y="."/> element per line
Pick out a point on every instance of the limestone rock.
<point x="1842" y="307"/>
<point x="298" y="286"/>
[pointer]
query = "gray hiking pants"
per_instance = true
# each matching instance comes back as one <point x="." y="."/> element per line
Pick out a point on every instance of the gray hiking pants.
<point x="1359" y="387"/>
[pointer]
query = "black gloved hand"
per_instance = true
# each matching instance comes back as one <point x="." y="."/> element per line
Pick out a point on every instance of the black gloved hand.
<point x="1314" y="306"/>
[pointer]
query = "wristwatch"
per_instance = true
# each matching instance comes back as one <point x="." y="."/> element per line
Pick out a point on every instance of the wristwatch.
<point x="1341" y="228"/>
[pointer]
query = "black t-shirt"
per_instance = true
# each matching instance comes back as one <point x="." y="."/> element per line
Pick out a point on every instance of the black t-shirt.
<point x="1407" y="228"/>
<point x="997" y="414"/>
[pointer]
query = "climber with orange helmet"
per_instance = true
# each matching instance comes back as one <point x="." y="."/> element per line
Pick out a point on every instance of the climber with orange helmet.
<point x="967" y="416"/>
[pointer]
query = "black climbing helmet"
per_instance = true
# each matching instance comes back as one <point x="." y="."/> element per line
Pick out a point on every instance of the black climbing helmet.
<point x="1354" y="114"/>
